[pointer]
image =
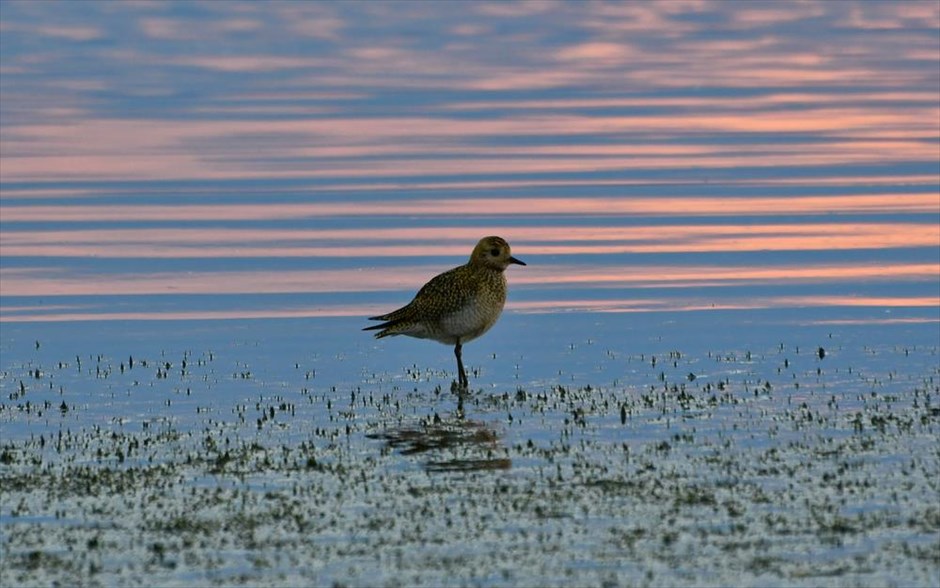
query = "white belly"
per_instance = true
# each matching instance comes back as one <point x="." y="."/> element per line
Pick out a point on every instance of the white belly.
<point x="467" y="324"/>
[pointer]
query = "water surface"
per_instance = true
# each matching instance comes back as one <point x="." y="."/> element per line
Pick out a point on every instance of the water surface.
<point x="718" y="367"/>
<point x="234" y="160"/>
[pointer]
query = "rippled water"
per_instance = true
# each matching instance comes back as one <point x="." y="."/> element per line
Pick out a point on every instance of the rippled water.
<point x="238" y="160"/>
<point x="714" y="368"/>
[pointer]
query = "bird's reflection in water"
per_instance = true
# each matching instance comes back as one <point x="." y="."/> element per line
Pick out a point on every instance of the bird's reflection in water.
<point x="473" y="444"/>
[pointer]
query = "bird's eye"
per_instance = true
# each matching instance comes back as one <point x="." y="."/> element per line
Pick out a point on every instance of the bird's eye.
<point x="494" y="252"/>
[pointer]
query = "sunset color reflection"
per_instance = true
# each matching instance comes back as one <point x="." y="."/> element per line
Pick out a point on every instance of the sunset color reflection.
<point x="451" y="241"/>
<point x="232" y="161"/>
<point x="665" y="206"/>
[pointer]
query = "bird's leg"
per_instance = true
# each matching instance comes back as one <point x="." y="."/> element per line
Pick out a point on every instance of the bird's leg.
<point x="461" y="374"/>
<point x="459" y="414"/>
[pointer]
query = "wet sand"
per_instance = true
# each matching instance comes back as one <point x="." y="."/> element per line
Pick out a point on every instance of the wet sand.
<point x="273" y="453"/>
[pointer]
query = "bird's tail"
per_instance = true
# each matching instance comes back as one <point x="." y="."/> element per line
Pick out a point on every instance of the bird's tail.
<point x="391" y="320"/>
<point x="387" y="327"/>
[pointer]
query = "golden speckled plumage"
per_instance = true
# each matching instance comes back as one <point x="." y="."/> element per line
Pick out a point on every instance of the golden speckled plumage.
<point x="458" y="305"/>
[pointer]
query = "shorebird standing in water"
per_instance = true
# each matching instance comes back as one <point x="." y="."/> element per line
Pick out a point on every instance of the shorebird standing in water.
<point x="456" y="306"/>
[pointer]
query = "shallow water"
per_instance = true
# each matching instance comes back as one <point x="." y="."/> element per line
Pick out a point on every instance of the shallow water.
<point x="658" y="451"/>
<point x="719" y="367"/>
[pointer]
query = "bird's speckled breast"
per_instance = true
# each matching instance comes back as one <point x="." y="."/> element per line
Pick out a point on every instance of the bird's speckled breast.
<point x="477" y="316"/>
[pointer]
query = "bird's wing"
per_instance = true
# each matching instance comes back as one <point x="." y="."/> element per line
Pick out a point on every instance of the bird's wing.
<point x="444" y="294"/>
<point x="439" y="297"/>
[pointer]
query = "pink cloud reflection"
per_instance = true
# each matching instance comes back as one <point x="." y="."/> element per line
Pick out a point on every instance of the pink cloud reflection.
<point x="692" y="206"/>
<point x="455" y="241"/>
<point x="437" y="184"/>
<point x="686" y="304"/>
<point x="60" y="282"/>
<point x="340" y="146"/>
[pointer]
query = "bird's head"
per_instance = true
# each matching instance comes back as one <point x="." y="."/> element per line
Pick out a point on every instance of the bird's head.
<point x="493" y="252"/>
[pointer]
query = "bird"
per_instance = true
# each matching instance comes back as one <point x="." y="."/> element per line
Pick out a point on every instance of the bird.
<point x="457" y="306"/>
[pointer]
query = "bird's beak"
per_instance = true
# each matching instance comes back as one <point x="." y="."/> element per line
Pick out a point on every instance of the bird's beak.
<point x="516" y="261"/>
